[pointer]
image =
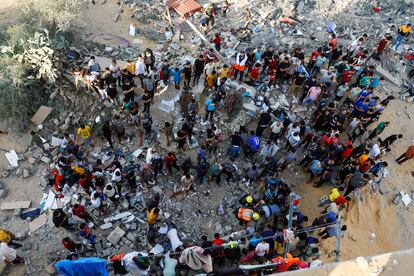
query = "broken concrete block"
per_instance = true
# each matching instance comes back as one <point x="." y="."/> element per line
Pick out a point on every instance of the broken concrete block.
<point x="133" y="226"/>
<point x="116" y="235"/>
<point x="131" y="237"/>
<point x="106" y="252"/>
<point x="26" y="173"/>
<point x="45" y="159"/>
<point x="106" y="226"/>
<point x="31" y="160"/>
<point x="3" y="193"/>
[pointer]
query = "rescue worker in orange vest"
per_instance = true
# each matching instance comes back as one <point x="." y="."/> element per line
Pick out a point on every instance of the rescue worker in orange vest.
<point x="245" y="215"/>
<point x="240" y="65"/>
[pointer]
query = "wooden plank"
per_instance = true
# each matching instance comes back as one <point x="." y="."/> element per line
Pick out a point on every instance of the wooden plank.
<point x="38" y="222"/>
<point x="15" y="205"/>
<point x="41" y="114"/>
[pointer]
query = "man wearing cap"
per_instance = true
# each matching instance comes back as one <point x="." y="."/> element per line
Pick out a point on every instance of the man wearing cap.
<point x="408" y="154"/>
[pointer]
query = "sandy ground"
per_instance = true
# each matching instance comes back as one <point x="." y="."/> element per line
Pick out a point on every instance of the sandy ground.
<point x="392" y="224"/>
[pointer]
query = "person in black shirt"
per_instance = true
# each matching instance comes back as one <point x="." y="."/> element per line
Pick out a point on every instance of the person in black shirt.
<point x="198" y="69"/>
<point x="281" y="74"/>
<point x="187" y="74"/>
<point x="387" y="142"/>
<point x="107" y="133"/>
<point x="267" y="55"/>
<point x="146" y="99"/>
<point x="263" y="123"/>
<point x="298" y="83"/>
<point x="336" y="53"/>
<point x="236" y="142"/>
<point x="250" y="59"/>
<point x="128" y="90"/>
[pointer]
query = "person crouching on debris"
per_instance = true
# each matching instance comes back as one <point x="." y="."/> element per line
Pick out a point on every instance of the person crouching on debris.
<point x="245" y="215"/>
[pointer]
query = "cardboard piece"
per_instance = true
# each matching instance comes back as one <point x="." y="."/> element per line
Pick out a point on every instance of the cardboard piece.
<point x="12" y="158"/>
<point x="38" y="222"/>
<point x="41" y="114"/>
<point x="15" y="205"/>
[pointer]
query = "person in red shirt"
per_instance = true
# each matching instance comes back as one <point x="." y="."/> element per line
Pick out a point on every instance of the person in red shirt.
<point x="217" y="42"/>
<point x="383" y="44"/>
<point x="254" y="74"/>
<point x="313" y="57"/>
<point x="342" y="201"/>
<point x="219" y="251"/>
<point x="80" y="211"/>
<point x="170" y="161"/>
<point x="333" y="41"/>
<point x="346" y="76"/>
<point x="347" y="151"/>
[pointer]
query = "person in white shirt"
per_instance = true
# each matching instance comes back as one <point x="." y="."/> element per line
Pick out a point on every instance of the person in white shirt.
<point x="96" y="200"/>
<point x="116" y="71"/>
<point x="292" y="140"/>
<point x="262" y="248"/>
<point x="140" y="69"/>
<point x="110" y="191"/>
<point x="294" y="127"/>
<point x="276" y="129"/>
<point x="116" y="176"/>
<point x="9" y="255"/>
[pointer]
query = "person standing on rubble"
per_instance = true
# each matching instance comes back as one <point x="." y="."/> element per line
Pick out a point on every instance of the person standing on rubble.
<point x="209" y="14"/>
<point x="187" y="74"/>
<point x="198" y="69"/>
<point x="240" y="65"/>
<point x="149" y="60"/>
<point x="403" y="32"/>
<point x="224" y="7"/>
<point x="140" y="69"/>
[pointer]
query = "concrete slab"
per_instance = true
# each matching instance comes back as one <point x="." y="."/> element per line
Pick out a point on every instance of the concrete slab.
<point x="15" y="205"/>
<point x="41" y="114"/>
<point x="38" y="222"/>
<point x="115" y="236"/>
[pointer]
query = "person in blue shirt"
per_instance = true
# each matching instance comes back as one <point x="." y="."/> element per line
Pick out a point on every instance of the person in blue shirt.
<point x="177" y="77"/>
<point x="254" y="141"/>
<point x="254" y="241"/>
<point x="210" y="108"/>
<point x="375" y="82"/>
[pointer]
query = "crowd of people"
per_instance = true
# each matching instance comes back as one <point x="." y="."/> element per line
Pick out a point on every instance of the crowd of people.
<point x="331" y="143"/>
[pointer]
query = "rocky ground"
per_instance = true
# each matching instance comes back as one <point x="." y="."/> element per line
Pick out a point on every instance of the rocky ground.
<point x="197" y="213"/>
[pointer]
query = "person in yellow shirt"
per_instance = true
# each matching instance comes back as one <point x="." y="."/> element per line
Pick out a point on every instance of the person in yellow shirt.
<point x="211" y="80"/>
<point x="130" y="67"/>
<point x="333" y="195"/>
<point x="224" y="72"/>
<point x="403" y="32"/>
<point x="153" y="215"/>
<point x="84" y="135"/>
<point x="8" y="237"/>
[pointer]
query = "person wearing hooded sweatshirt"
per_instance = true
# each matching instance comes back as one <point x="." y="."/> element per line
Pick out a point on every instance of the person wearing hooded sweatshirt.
<point x="240" y="65"/>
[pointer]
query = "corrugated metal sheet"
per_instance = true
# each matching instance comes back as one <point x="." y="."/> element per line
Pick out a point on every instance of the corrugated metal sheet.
<point x="184" y="8"/>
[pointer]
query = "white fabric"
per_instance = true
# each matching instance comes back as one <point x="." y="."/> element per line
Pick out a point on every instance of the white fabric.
<point x="6" y="253"/>
<point x="130" y="265"/>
